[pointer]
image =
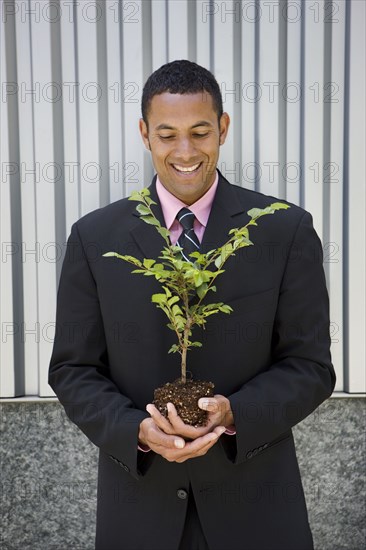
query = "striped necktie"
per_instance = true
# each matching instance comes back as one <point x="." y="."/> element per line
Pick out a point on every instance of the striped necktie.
<point x="188" y="239"/>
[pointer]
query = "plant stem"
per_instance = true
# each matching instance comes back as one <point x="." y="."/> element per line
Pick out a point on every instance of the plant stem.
<point x="184" y="364"/>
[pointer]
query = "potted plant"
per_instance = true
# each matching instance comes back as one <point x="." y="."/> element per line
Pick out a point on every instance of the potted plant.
<point x="184" y="288"/>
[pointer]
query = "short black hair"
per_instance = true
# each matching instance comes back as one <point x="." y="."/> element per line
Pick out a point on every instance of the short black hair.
<point x="181" y="77"/>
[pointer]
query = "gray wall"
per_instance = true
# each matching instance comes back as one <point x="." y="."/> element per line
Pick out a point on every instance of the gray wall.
<point x="49" y="468"/>
<point x="292" y="76"/>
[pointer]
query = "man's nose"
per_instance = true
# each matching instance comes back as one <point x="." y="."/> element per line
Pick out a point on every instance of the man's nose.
<point x="185" y="149"/>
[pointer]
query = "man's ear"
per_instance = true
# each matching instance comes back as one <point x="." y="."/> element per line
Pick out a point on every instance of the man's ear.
<point x="144" y="133"/>
<point x="224" y="127"/>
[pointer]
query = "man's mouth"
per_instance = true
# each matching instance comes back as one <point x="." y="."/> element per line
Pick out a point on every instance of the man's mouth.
<point x="187" y="169"/>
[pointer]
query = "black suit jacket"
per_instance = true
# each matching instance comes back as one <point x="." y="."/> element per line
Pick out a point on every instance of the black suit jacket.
<point x="270" y="357"/>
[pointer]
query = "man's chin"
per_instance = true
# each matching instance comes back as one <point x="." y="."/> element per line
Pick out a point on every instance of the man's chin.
<point x="189" y="193"/>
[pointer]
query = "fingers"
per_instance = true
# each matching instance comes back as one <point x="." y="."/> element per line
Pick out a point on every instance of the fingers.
<point x="151" y="434"/>
<point x="208" y="404"/>
<point x="218" y="408"/>
<point x="174" y="424"/>
<point x="179" y="427"/>
<point x="159" y="419"/>
<point x="174" y="448"/>
<point x="199" y="446"/>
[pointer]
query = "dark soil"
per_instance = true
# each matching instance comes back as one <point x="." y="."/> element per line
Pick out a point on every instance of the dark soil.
<point x="184" y="397"/>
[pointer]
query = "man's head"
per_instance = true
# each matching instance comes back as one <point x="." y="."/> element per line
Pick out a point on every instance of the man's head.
<point x="181" y="77"/>
<point x="183" y="126"/>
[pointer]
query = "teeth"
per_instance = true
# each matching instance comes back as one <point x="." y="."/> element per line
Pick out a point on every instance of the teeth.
<point x="186" y="169"/>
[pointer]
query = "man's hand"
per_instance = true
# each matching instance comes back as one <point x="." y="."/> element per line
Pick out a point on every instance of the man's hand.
<point x="219" y="416"/>
<point x="173" y="448"/>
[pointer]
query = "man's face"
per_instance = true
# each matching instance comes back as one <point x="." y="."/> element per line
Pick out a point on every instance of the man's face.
<point x="184" y="137"/>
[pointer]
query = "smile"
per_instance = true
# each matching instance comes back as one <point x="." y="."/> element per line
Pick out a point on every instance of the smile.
<point x="186" y="169"/>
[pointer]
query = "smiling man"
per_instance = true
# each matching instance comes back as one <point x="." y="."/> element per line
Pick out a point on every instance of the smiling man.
<point x="162" y="485"/>
<point x="184" y="134"/>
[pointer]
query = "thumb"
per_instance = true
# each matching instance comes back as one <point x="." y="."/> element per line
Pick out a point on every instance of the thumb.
<point x="208" y="404"/>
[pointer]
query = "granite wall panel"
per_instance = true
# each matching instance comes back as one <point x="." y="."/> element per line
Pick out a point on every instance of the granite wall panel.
<point x="49" y="469"/>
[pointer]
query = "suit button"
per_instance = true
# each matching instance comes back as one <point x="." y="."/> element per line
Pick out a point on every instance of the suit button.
<point x="125" y="467"/>
<point x="182" y="493"/>
<point x="255" y="452"/>
<point x="249" y="454"/>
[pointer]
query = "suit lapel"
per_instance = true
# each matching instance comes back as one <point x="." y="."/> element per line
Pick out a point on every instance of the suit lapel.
<point x="146" y="237"/>
<point x="222" y="216"/>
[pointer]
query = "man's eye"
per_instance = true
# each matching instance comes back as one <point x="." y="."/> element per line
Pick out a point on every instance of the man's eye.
<point x="166" y="137"/>
<point x="201" y="135"/>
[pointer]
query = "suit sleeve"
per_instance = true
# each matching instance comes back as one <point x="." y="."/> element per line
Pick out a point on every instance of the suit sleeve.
<point x="78" y="371"/>
<point x="301" y="375"/>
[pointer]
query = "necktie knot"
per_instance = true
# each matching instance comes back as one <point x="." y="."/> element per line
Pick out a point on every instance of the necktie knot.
<point x="186" y="218"/>
<point x="188" y="239"/>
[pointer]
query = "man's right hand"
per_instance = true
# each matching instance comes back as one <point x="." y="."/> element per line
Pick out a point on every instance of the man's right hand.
<point x="172" y="447"/>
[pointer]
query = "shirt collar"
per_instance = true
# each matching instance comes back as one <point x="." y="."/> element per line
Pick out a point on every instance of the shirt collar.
<point x="171" y="205"/>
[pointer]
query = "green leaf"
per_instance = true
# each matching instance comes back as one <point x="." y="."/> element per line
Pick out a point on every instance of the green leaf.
<point x="173" y="300"/>
<point x="148" y="263"/>
<point x="180" y="322"/>
<point x="159" y="299"/>
<point x="226" y="251"/>
<point x="150" y="220"/>
<point x="143" y="210"/>
<point x="198" y="280"/>
<point x="174" y="348"/>
<point x="131" y="260"/>
<point x="225" y="308"/>
<point x="135" y="196"/>
<point x="149" y="201"/>
<point x="195" y="345"/>
<point x="218" y="262"/>
<point x="164" y="232"/>
<point x="254" y="212"/>
<point x="280" y="206"/>
<point x="202" y="290"/>
<point x="167" y="291"/>
<point x="177" y="310"/>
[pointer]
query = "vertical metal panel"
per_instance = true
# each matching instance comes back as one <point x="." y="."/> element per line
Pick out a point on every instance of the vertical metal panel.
<point x="249" y="95"/>
<point x="227" y="70"/>
<point x="133" y="76"/>
<point x="333" y="247"/>
<point x="71" y="162"/>
<point x="203" y="33"/>
<point x="269" y="70"/>
<point x="159" y="34"/>
<point x="292" y="93"/>
<point x="29" y="94"/>
<point x="313" y="94"/>
<point x="7" y="364"/>
<point x="114" y="93"/>
<point x="355" y="181"/>
<point x="181" y="35"/>
<point x="89" y="93"/>
<point x="293" y="83"/>
<point x="45" y="193"/>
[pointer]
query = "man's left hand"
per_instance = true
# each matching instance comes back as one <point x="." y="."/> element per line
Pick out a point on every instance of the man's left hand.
<point x="219" y="414"/>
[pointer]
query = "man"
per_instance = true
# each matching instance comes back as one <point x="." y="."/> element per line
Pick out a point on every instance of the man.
<point x="162" y="485"/>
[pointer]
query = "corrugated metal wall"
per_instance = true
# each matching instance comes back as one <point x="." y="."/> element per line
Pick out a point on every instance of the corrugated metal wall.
<point x="292" y="76"/>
